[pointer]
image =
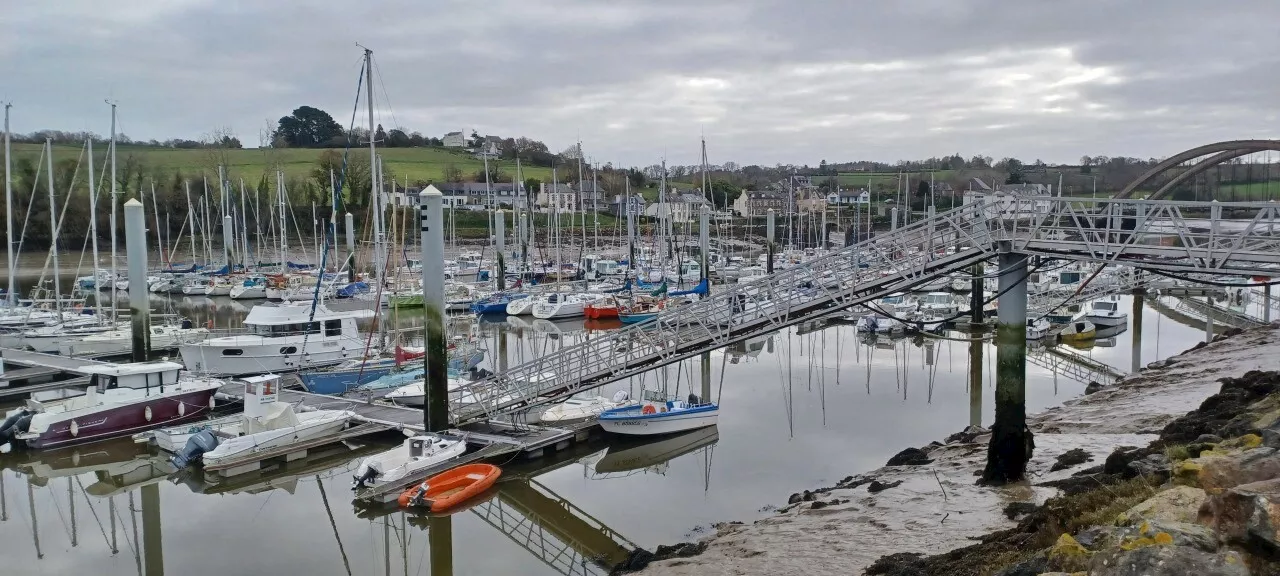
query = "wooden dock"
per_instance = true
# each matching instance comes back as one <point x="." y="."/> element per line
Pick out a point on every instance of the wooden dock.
<point x="488" y="440"/>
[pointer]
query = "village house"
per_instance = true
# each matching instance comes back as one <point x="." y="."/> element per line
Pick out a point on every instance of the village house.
<point x="559" y="198"/>
<point x="756" y="203"/>
<point x="618" y="206"/>
<point x="454" y="140"/>
<point x="679" y="207"/>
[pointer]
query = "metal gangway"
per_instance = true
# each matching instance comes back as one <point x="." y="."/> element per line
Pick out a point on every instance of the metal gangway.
<point x="1074" y="366"/>
<point x="1164" y="235"/>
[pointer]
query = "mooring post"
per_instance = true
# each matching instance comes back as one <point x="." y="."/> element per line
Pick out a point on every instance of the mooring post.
<point x="975" y="378"/>
<point x="976" y="285"/>
<point x="1139" y="294"/>
<point x="768" y="246"/>
<point x="436" y="407"/>
<point x="440" y="540"/>
<point x="152" y="545"/>
<point x="893" y="218"/>
<point x="1266" y="302"/>
<point x="1208" y="326"/>
<point x="349" y="222"/>
<point x="704" y="242"/>
<point x="500" y="229"/>
<point x="135" y="237"/>
<point x="1011" y="441"/>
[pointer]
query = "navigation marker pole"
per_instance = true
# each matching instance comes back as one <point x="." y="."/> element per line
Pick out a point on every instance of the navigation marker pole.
<point x="500" y="230"/>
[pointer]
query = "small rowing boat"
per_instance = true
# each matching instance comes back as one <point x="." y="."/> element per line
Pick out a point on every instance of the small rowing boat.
<point x="451" y="487"/>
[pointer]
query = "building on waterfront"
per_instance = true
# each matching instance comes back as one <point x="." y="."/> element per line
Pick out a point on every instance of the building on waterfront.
<point x="679" y="207"/>
<point x="756" y="203"/>
<point x="454" y="140"/>
<point x="556" y="198"/>
<point x="501" y="194"/>
<point x="591" y="197"/>
<point x="849" y="197"/>
<point x="1014" y="200"/>
<point x="617" y="205"/>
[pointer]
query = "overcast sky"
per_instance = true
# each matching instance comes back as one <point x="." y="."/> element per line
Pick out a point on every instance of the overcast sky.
<point x="767" y="81"/>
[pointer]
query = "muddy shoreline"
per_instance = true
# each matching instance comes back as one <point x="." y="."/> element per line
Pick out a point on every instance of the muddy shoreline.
<point x="924" y="514"/>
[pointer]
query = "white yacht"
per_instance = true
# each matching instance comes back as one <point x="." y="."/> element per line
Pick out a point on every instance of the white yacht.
<point x="281" y="338"/>
<point x="563" y="305"/>
<point x="120" y="340"/>
<point x="417" y="453"/>
<point x="1106" y="314"/>
<point x="582" y="407"/>
<point x="939" y="304"/>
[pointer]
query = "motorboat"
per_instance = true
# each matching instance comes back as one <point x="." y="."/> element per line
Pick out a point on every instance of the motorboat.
<point x="281" y="338"/>
<point x="1037" y="329"/>
<point x="415" y="454"/>
<point x="877" y="324"/>
<point x="463" y="355"/>
<point x="120" y="340"/>
<point x="626" y="457"/>
<point x="496" y="303"/>
<point x="451" y="488"/>
<point x="583" y="407"/>
<point x="898" y="304"/>
<point x="266" y="424"/>
<point x="121" y="399"/>
<point x="655" y="415"/>
<point x="1106" y="314"/>
<point x="564" y="305"/>
<point x="1078" y="331"/>
<point x="938" y="304"/>
<point x="48" y="339"/>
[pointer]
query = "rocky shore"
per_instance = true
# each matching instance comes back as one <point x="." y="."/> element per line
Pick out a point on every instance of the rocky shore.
<point x="1171" y="471"/>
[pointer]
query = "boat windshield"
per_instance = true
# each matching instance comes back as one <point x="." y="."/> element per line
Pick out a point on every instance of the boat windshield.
<point x="937" y="299"/>
<point x="892" y="299"/>
<point x="1105" y="306"/>
<point x="285" y="329"/>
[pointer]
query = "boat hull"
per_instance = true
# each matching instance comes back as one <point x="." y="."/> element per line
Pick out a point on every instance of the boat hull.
<point x="452" y="487"/>
<point x="156" y="412"/>
<point x="639" y="424"/>
<point x="337" y="382"/>
<point x="263" y="358"/>
<point x="242" y="446"/>
<point x="1108" y="321"/>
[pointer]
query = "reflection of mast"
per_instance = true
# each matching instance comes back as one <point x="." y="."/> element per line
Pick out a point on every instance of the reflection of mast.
<point x="71" y="502"/>
<point x="151" y="542"/>
<point x="325" y="498"/>
<point x="975" y="381"/>
<point x="4" y="506"/>
<point x="137" y="544"/>
<point x="111" y="512"/>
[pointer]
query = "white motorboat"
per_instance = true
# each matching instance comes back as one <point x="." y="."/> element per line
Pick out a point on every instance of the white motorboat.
<point x="416" y="453"/>
<point x="120" y="340"/>
<point x="940" y="304"/>
<point x="655" y="416"/>
<point x="877" y="324"/>
<point x="563" y="305"/>
<point x="266" y="424"/>
<point x="961" y="284"/>
<point x="122" y="399"/>
<point x="899" y="304"/>
<point x="281" y="338"/>
<point x="1037" y="329"/>
<point x="580" y="408"/>
<point x="415" y="393"/>
<point x="1106" y="314"/>
<point x="249" y="289"/>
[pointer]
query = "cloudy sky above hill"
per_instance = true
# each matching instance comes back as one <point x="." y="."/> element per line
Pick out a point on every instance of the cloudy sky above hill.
<point x="766" y="81"/>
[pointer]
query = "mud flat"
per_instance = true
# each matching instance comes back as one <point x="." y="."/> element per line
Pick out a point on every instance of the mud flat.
<point x="927" y="501"/>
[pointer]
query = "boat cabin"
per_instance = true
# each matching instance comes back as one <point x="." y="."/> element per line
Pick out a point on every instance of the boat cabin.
<point x="893" y="299"/>
<point x="139" y="376"/>
<point x="1105" y="306"/>
<point x="938" y="298"/>
<point x="297" y="319"/>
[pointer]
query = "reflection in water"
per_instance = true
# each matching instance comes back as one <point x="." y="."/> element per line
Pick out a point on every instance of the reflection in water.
<point x="821" y="404"/>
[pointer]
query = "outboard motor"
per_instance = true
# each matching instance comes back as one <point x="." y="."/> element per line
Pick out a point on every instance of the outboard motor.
<point x="16" y="424"/>
<point x="693" y="400"/>
<point x="186" y="324"/>
<point x="196" y="446"/>
<point x="368" y="474"/>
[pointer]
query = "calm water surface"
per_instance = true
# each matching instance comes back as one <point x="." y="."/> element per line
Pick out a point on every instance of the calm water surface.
<point x="799" y="410"/>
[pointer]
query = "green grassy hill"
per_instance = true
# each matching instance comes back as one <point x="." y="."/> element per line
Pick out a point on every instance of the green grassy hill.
<point x="406" y="164"/>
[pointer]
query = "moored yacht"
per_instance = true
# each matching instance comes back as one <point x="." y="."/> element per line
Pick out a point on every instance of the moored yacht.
<point x="563" y="305"/>
<point x="1106" y="314"/>
<point x="281" y="338"/>
<point x="121" y="399"/>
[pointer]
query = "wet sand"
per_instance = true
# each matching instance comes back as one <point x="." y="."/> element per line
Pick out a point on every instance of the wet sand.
<point x="938" y="507"/>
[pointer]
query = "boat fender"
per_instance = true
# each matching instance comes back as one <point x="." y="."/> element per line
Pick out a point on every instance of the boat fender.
<point x="199" y="443"/>
<point x="648" y="409"/>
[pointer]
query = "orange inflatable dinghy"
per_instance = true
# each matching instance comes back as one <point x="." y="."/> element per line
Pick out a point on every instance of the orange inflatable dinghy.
<point x="451" y="487"/>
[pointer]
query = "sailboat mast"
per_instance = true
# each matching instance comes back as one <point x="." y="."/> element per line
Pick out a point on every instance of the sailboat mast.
<point x="114" y="191"/>
<point x="595" y="209"/>
<point x="524" y="218"/>
<point x="555" y="186"/>
<point x="8" y="208"/>
<point x="244" y="230"/>
<point x="53" y="227"/>
<point x="191" y="219"/>
<point x="93" y="226"/>
<point x="374" y="167"/>
<point x="284" y="237"/>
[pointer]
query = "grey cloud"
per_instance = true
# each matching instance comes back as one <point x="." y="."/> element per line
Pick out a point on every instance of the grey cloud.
<point x="766" y="81"/>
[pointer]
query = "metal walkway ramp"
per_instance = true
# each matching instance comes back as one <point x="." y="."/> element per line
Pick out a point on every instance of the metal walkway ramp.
<point x="1163" y="235"/>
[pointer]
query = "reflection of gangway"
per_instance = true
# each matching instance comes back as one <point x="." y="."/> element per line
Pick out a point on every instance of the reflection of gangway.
<point x="1194" y="313"/>
<point x="553" y="529"/>
<point x="1072" y="365"/>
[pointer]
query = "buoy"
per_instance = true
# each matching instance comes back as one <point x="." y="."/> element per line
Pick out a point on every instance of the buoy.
<point x="648" y="409"/>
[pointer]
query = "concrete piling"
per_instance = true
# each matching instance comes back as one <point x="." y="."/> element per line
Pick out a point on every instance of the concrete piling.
<point x="1011" y="441"/>
<point x="135" y="234"/>
<point x="769" y="246"/>
<point x="436" y="406"/>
